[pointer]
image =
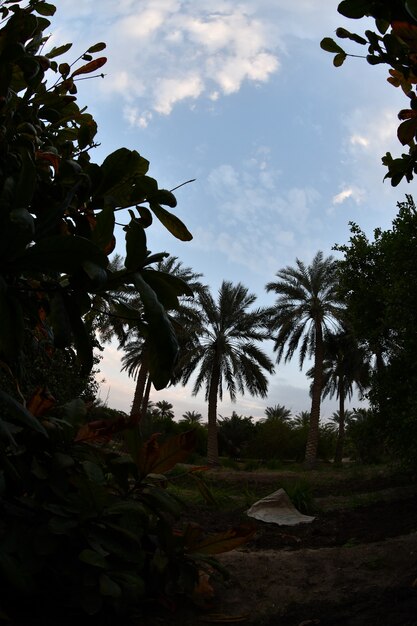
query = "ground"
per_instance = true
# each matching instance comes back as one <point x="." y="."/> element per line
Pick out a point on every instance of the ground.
<point x="355" y="565"/>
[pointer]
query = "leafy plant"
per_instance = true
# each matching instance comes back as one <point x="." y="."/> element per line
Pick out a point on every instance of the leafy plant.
<point x="394" y="43"/>
<point x="83" y="527"/>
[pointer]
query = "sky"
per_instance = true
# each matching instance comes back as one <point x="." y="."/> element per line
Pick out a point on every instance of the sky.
<point x="285" y="149"/>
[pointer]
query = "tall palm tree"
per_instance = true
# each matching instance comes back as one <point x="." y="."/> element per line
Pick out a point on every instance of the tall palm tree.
<point x="227" y="353"/>
<point x="192" y="418"/>
<point x="346" y="365"/>
<point x="277" y="413"/>
<point x="306" y="306"/>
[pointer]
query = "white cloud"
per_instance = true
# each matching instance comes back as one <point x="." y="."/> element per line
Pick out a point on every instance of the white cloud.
<point x="349" y="192"/>
<point x="164" y="52"/>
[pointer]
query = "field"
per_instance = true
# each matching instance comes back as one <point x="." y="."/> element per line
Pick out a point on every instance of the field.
<point x="354" y="565"/>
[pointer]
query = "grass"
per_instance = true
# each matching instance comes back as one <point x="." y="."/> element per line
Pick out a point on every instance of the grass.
<point x="228" y="488"/>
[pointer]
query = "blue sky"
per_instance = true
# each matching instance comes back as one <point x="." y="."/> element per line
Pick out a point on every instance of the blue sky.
<point x="285" y="148"/>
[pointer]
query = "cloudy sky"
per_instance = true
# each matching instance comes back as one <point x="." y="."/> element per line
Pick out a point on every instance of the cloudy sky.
<point x="285" y="148"/>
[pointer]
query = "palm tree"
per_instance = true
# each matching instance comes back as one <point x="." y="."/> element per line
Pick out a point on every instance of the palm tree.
<point x="346" y="364"/>
<point x="307" y="304"/>
<point x="302" y="419"/>
<point x="163" y="410"/>
<point x="227" y="352"/>
<point x="277" y="413"/>
<point x="191" y="417"/>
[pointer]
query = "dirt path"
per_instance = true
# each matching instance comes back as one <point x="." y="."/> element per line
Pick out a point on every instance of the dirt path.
<point x="350" y="567"/>
<point x="359" y="585"/>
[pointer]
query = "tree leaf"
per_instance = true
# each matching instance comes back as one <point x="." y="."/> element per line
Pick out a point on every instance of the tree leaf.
<point x="108" y="587"/>
<point x="223" y="542"/>
<point x="62" y="254"/>
<point x="171" y="222"/>
<point x="339" y="59"/>
<point x="44" y="8"/>
<point x="90" y="67"/>
<point x="162" y="339"/>
<point x="135" y="245"/>
<point x="98" y="47"/>
<point x="119" y="173"/>
<point x="329" y="45"/>
<point x="93" y="558"/>
<point x="17" y="413"/>
<point x="162" y="196"/>
<point x="355" y="9"/>
<point x="167" y="287"/>
<point x="406" y="131"/>
<point x="103" y="230"/>
<point x="175" y="450"/>
<point x="57" y="51"/>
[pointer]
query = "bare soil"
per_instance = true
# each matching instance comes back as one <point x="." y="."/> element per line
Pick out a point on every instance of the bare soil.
<point x="349" y="567"/>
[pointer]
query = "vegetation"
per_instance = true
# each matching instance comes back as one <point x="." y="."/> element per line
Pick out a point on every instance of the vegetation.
<point x="226" y="352"/>
<point x="394" y="43"/>
<point x="83" y="528"/>
<point x="345" y="365"/>
<point x="307" y="304"/>
<point x="376" y="282"/>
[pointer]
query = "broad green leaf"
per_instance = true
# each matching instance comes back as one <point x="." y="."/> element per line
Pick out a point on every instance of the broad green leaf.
<point x="129" y="507"/>
<point x="162" y="196"/>
<point x="104" y="229"/>
<point x="93" y="472"/>
<point x="98" y="47"/>
<point x="329" y="45"/>
<point x="135" y="245"/>
<point x="96" y="274"/>
<point x="355" y="9"/>
<point x="160" y="500"/>
<point x="120" y="542"/>
<point x="57" y="51"/>
<point x="44" y="8"/>
<point x="133" y="585"/>
<point x="62" y="254"/>
<point x="171" y="222"/>
<point x="108" y="587"/>
<point x="62" y="525"/>
<point x="339" y="59"/>
<point x="175" y="450"/>
<point x="120" y="171"/>
<point x="342" y="33"/>
<point x="223" y="542"/>
<point x="92" y="66"/>
<point x="93" y="558"/>
<point x="407" y="130"/>
<point x="162" y="340"/>
<point x="167" y="287"/>
<point x="17" y="413"/>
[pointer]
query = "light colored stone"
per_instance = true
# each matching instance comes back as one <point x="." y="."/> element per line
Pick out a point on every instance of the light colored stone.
<point x="277" y="508"/>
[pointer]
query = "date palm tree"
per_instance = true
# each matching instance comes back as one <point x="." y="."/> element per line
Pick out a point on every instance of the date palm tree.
<point x="227" y="353"/>
<point x="346" y="365"/>
<point x="192" y="418"/>
<point x="277" y="413"/>
<point x="306" y="306"/>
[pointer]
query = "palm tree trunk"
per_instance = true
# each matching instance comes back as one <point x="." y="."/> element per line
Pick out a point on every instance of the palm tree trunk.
<point x="212" y="443"/>
<point x="136" y="410"/>
<point x="341" y="433"/>
<point x="310" y="459"/>
<point x="146" y="396"/>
